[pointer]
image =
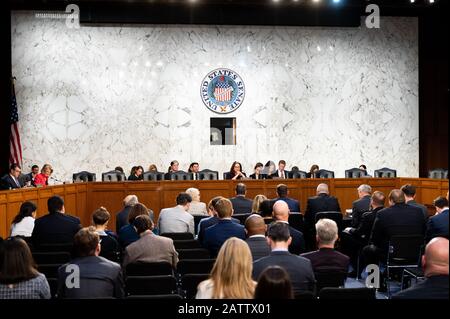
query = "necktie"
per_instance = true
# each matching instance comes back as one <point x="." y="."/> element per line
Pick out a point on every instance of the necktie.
<point x="282" y="174"/>
<point x="17" y="182"/>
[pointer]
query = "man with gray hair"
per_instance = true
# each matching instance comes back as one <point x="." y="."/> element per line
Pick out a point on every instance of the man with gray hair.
<point x="326" y="258"/>
<point x="122" y="216"/>
<point x="361" y="205"/>
<point x="322" y="202"/>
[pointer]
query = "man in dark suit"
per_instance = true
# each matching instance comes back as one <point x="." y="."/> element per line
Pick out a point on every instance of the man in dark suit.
<point x="255" y="227"/>
<point x="281" y="214"/>
<point x="410" y="198"/>
<point x="299" y="268"/>
<point x="122" y="216"/>
<point x="217" y="234"/>
<point x="361" y="205"/>
<point x="326" y="258"/>
<point x="56" y="227"/>
<point x="438" y="224"/>
<point x="435" y="266"/>
<point x="281" y="172"/>
<point x="241" y="205"/>
<point x="98" y="276"/>
<point x="398" y="219"/>
<point x="283" y="192"/>
<point x="12" y="180"/>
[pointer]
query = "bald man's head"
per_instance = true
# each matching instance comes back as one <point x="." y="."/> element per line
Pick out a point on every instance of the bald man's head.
<point x="435" y="260"/>
<point x="396" y="196"/>
<point x="255" y="225"/>
<point x="322" y="189"/>
<point x="281" y="211"/>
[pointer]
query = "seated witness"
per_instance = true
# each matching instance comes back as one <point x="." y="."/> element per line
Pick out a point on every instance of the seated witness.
<point x="122" y="217"/>
<point x="281" y="214"/>
<point x="235" y="172"/>
<point x="23" y="223"/>
<point x="110" y="246"/>
<point x="326" y="258"/>
<point x="42" y="178"/>
<point x="283" y="192"/>
<point x="98" y="276"/>
<point x="136" y="175"/>
<point x="255" y="228"/>
<point x="196" y="207"/>
<point x="299" y="268"/>
<point x="12" y="180"/>
<point x="274" y="283"/>
<point x="438" y="224"/>
<point x="313" y="171"/>
<point x="241" y="205"/>
<point x="127" y="234"/>
<point x="56" y="227"/>
<point x="258" y="172"/>
<point x="281" y="172"/>
<point x="225" y="228"/>
<point x="149" y="247"/>
<point x="173" y="168"/>
<point x="435" y="267"/>
<point x="231" y="276"/>
<point x="410" y="198"/>
<point x="257" y="202"/>
<point x="19" y="279"/>
<point x="361" y="205"/>
<point x="177" y="219"/>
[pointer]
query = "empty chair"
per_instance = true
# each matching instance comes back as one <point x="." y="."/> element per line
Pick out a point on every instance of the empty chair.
<point x="347" y="293"/>
<point x="180" y="176"/>
<point x="329" y="279"/>
<point x="150" y="285"/>
<point x="241" y="217"/>
<point x="189" y="284"/>
<point x="187" y="244"/>
<point x="54" y="248"/>
<point x="195" y="266"/>
<point x="179" y="236"/>
<point x="149" y="269"/>
<point x="197" y="253"/>
<point x="153" y="176"/>
<point x="298" y="174"/>
<point x="58" y="257"/>
<point x="323" y="173"/>
<point x="438" y="173"/>
<point x="208" y="174"/>
<point x="304" y="295"/>
<point x="355" y="173"/>
<point x="155" y="297"/>
<point x="113" y="176"/>
<point x="385" y="172"/>
<point x="336" y="216"/>
<point x="296" y="221"/>
<point x="83" y="176"/>
<point x="53" y="284"/>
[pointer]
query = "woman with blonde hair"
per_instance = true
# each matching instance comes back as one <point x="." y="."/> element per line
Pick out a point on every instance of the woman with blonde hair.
<point x="256" y="202"/>
<point x="231" y="276"/>
<point x="196" y="207"/>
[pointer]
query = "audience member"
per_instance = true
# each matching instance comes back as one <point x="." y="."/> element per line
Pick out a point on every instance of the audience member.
<point x="361" y="205"/>
<point x="196" y="207"/>
<point x="41" y="180"/>
<point x="19" y="278"/>
<point x="98" y="276"/>
<point x="122" y="217"/>
<point x="257" y="202"/>
<point x="109" y="243"/>
<point x="231" y="276"/>
<point x="299" y="268"/>
<point x="266" y="210"/>
<point x="150" y="247"/>
<point x="127" y="234"/>
<point x="274" y="283"/>
<point x="410" y="198"/>
<point x="281" y="214"/>
<point x="241" y="204"/>
<point x="438" y="224"/>
<point x="283" y="192"/>
<point x="12" y="181"/>
<point x="23" y="223"/>
<point x="177" y="219"/>
<point x="255" y="229"/>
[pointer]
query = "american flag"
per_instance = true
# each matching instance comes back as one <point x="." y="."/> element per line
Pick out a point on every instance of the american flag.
<point x="223" y="91"/>
<point x="14" y="140"/>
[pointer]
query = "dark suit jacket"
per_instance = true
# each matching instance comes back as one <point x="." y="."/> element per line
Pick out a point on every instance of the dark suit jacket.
<point x="217" y="234"/>
<point x="241" y="205"/>
<point x="359" y="207"/>
<point x="7" y="182"/>
<point x="438" y="226"/>
<point x="399" y="219"/>
<point x="208" y="222"/>
<point x="55" y="228"/>
<point x="328" y="259"/>
<point x="261" y="176"/>
<point x="127" y="235"/>
<point x="320" y="203"/>
<point x="122" y="217"/>
<point x="294" y="205"/>
<point x="364" y="229"/>
<point x="434" y="287"/>
<point x="287" y="174"/>
<point x="422" y="207"/>
<point x="297" y="245"/>
<point x="259" y="247"/>
<point x="228" y="175"/>
<point x="99" y="278"/>
<point x="299" y="269"/>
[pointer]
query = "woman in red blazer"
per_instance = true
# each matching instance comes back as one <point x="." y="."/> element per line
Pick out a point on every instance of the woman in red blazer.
<point x="42" y="178"/>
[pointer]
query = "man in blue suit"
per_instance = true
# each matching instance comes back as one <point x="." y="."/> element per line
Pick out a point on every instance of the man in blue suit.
<point x="217" y="234"/>
<point x="438" y="224"/>
<point x="283" y="192"/>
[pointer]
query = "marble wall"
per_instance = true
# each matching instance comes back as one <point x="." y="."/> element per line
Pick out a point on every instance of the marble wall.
<point x="96" y="97"/>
